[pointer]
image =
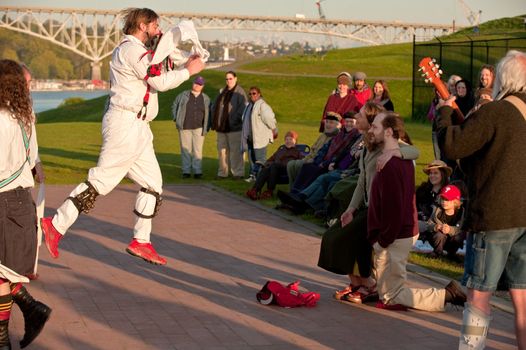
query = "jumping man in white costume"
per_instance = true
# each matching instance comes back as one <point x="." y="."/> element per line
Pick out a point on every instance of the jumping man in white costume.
<point x="127" y="141"/>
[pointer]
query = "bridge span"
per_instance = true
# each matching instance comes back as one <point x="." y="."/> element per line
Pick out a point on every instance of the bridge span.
<point x="93" y="34"/>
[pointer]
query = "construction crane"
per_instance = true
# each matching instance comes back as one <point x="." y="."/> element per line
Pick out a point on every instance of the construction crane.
<point x="472" y="16"/>
<point x="320" y="10"/>
<point x="322" y="17"/>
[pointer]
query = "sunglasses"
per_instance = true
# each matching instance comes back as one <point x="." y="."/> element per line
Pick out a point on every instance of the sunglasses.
<point x="253" y="93"/>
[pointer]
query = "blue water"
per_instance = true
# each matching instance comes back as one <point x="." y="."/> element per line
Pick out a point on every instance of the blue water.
<point x="44" y="100"/>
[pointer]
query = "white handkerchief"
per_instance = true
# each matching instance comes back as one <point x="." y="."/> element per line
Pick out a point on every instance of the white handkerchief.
<point x="167" y="47"/>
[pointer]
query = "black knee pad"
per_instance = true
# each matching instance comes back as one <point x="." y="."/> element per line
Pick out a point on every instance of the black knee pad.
<point x="158" y="202"/>
<point x="85" y="200"/>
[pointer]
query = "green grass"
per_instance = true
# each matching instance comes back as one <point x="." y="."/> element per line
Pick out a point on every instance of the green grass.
<point x="442" y="266"/>
<point x="393" y="61"/>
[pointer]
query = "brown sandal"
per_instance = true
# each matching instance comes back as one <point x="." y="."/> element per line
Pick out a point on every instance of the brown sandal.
<point x="341" y="294"/>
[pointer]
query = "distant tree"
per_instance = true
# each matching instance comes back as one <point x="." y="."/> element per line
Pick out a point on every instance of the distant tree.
<point x="9" y="54"/>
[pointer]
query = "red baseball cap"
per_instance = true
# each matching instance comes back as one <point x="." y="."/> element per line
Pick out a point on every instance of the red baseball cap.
<point x="450" y="192"/>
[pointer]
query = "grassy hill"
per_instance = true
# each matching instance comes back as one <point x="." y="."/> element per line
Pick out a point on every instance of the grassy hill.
<point x="295" y="86"/>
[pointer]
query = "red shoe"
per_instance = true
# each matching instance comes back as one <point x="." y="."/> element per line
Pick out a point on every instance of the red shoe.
<point x="252" y="194"/>
<point x="394" y="307"/>
<point x="266" y="195"/>
<point x="146" y="252"/>
<point x="51" y="236"/>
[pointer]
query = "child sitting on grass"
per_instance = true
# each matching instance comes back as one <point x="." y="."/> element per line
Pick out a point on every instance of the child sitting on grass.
<point x="275" y="167"/>
<point x="444" y="227"/>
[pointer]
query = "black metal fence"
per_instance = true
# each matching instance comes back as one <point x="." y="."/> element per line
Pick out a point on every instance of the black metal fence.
<point x="462" y="57"/>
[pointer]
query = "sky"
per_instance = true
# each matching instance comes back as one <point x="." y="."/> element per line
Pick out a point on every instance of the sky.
<point x="426" y="11"/>
<point x="412" y="11"/>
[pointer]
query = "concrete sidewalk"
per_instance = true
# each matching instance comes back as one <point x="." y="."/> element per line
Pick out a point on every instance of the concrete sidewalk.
<point x="221" y="249"/>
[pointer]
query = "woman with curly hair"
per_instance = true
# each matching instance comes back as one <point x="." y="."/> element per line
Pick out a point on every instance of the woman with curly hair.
<point x="18" y="222"/>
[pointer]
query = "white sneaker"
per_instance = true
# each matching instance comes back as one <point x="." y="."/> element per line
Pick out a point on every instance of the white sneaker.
<point x="251" y="178"/>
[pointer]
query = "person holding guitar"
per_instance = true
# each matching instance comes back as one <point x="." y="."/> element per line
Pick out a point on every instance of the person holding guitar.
<point x="491" y="148"/>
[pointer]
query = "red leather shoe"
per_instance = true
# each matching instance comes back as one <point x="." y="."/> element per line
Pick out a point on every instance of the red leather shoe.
<point x="252" y="194"/>
<point x="392" y="307"/>
<point x="146" y="252"/>
<point x="266" y="195"/>
<point x="51" y="236"/>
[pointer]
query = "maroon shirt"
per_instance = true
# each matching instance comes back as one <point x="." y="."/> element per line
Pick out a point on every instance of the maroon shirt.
<point x="340" y="105"/>
<point x="392" y="210"/>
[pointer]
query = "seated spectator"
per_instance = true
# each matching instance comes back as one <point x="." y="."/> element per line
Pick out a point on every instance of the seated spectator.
<point x="361" y="90"/>
<point x="426" y="194"/>
<point x="332" y="128"/>
<point x="381" y="95"/>
<point x="444" y="225"/>
<point x="320" y="165"/>
<point x="464" y="94"/>
<point x="341" y="101"/>
<point x="275" y="167"/>
<point x="313" y="196"/>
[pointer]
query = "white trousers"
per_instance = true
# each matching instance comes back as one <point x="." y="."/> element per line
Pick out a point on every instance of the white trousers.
<point x="192" y="150"/>
<point x="229" y="154"/>
<point x="390" y="264"/>
<point x="127" y="150"/>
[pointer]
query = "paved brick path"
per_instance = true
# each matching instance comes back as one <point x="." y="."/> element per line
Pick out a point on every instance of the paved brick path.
<point x="220" y="250"/>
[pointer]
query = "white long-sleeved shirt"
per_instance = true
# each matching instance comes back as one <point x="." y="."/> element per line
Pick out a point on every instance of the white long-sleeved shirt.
<point x="13" y="152"/>
<point x="128" y="67"/>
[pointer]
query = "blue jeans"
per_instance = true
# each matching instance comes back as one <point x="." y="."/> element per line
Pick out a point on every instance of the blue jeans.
<point x="490" y="254"/>
<point x="317" y="190"/>
<point x="257" y="157"/>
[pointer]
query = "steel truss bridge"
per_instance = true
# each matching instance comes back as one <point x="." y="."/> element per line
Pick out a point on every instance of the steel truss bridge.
<point x="93" y="34"/>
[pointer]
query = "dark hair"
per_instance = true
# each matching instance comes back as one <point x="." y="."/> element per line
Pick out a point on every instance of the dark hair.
<point x="255" y="88"/>
<point x="14" y="93"/>
<point x="231" y="72"/>
<point x="396" y="123"/>
<point x="469" y="90"/>
<point x="133" y="17"/>
<point x="385" y="93"/>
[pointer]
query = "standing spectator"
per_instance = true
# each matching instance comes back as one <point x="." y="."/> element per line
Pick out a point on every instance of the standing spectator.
<point x="275" y="167"/>
<point x="486" y="76"/>
<point x="381" y="95"/>
<point x="492" y="152"/>
<point x="451" y="82"/>
<point x="464" y="94"/>
<point x="18" y="142"/>
<point x="361" y="90"/>
<point x="227" y="121"/>
<point x="341" y="101"/>
<point x="392" y="230"/>
<point x="259" y="129"/>
<point x="191" y="110"/>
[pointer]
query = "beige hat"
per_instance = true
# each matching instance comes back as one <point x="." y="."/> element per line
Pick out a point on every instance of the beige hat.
<point x="437" y="164"/>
